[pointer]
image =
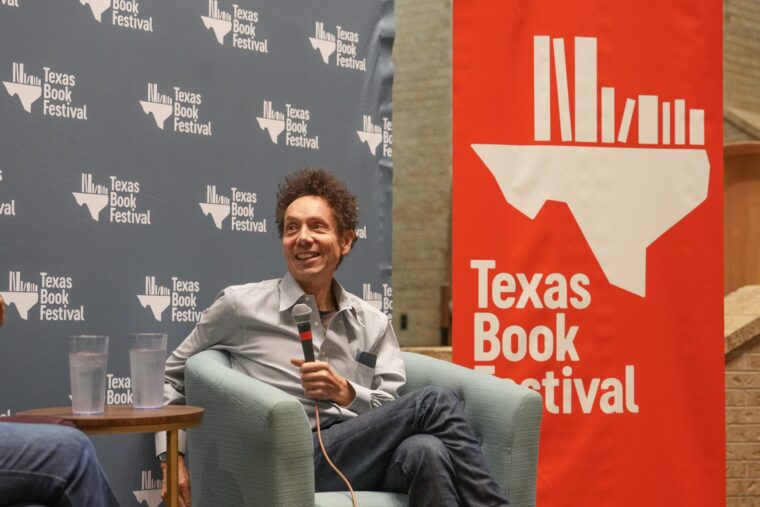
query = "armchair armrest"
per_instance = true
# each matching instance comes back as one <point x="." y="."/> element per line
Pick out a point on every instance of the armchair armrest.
<point x="505" y="416"/>
<point x="254" y="446"/>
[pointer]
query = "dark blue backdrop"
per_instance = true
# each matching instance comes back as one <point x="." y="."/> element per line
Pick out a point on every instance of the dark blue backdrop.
<point x="141" y="145"/>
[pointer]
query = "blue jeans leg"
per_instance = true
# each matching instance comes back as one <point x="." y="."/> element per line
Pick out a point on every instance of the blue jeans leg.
<point x="422" y="468"/>
<point x="51" y="465"/>
<point x="363" y="447"/>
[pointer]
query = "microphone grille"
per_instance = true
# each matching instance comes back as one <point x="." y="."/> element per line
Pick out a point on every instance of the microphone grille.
<point x="301" y="313"/>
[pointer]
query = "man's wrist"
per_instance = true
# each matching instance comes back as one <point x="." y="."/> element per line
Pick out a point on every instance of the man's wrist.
<point x="349" y="393"/>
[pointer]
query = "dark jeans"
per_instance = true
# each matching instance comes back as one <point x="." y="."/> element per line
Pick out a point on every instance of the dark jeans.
<point x="420" y="444"/>
<point x="51" y="465"/>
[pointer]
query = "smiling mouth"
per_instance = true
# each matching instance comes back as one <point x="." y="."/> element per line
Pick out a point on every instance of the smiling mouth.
<point x="305" y="256"/>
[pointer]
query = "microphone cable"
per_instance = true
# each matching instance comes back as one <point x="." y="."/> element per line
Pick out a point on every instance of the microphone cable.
<point x="301" y="314"/>
<point x="329" y="461"/>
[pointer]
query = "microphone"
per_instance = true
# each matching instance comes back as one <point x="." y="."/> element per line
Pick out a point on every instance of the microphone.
<point x="302" y="315"/>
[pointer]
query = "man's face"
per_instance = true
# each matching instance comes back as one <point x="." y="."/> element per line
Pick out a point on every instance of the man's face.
<point x="311" y="243"/>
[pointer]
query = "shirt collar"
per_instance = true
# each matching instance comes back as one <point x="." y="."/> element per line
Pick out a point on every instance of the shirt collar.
<point x="291" y="293"/>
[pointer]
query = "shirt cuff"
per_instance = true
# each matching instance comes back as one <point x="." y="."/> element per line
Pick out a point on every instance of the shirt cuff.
<point x="161" y="442"/>
<point x="362" y="399"/>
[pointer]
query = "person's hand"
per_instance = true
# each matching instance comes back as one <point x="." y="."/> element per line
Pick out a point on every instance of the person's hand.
<point x="2" y="311"/>
<point x="183" y="482"/>
<point x="321" y="382"/>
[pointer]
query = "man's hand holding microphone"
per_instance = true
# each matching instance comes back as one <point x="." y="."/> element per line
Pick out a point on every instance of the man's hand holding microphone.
<point x="319" y="380"/>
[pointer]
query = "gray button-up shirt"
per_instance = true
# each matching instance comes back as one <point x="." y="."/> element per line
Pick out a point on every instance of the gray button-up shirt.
<point x="253" y="323"/>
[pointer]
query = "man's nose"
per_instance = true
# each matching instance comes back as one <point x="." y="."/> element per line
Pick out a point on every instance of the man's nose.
<point x="304" y="235"/>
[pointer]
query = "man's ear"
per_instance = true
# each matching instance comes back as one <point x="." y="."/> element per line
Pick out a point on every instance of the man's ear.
<point x="347" y="241"/>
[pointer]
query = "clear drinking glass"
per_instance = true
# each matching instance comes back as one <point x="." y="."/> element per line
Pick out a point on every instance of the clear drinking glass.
<point x="147" y="355"/>
<point x="88" y="358"/>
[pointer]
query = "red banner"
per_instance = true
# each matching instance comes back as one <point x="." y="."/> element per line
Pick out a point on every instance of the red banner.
<point x="587" y="232"/>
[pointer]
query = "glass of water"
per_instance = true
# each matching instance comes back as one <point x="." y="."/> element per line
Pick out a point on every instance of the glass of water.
<point x="88" y="358"/>
<point x="147" y="355"/>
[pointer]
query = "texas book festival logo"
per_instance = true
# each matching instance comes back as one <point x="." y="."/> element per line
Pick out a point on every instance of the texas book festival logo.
<point x="294" y="121"/>
<point x="52" y="292"/>
<point x="56" y="88"/>
<point x="647" y="189"/>
<point x="124" y="13"/>
<point x="243" y="23"/>
<point x="240" y="205"/>
<point x="121" y="198"/>
<point x="376" y="135"/>
<point x="183" y="105"/>
<point x="343" y="43"/>
<point x="181" y="296"/>
<point x="150" y="489"/>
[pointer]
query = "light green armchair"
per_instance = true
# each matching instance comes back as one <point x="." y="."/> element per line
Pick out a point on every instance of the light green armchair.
<point x="255" y="448"/>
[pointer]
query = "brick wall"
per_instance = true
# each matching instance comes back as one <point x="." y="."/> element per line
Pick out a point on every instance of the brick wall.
<point x="422" y="166"/>
<point x="743" y="428"/>
<point x="741" y="94"/>
<point x="741" y="47"/>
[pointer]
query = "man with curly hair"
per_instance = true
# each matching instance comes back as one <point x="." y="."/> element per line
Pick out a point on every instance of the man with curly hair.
<point x="420" y="444"/>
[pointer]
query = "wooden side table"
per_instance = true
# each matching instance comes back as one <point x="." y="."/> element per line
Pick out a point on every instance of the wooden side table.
<point x="118" y="419"/>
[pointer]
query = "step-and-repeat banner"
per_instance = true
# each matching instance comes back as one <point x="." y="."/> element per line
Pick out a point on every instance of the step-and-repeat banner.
<point x="588" y="236"/>
<point x="141" y="146"/>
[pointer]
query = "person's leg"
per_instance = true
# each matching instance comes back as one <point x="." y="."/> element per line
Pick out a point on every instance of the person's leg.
<point x="362" y="447"/>
<point x="422" y="468"/>
<point x="53" y="465"/>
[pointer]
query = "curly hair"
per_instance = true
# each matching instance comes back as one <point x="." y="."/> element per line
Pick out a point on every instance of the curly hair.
<point x="320" y="183"/>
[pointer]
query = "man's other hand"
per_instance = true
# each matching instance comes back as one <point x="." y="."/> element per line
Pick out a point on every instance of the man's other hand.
<point x="321" y="382"/>
<point x="183" y="482"/>
<point x="2" y="311"/>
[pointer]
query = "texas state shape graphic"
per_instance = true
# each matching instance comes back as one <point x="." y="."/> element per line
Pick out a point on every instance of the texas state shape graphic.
<point x="623" y="199"/>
